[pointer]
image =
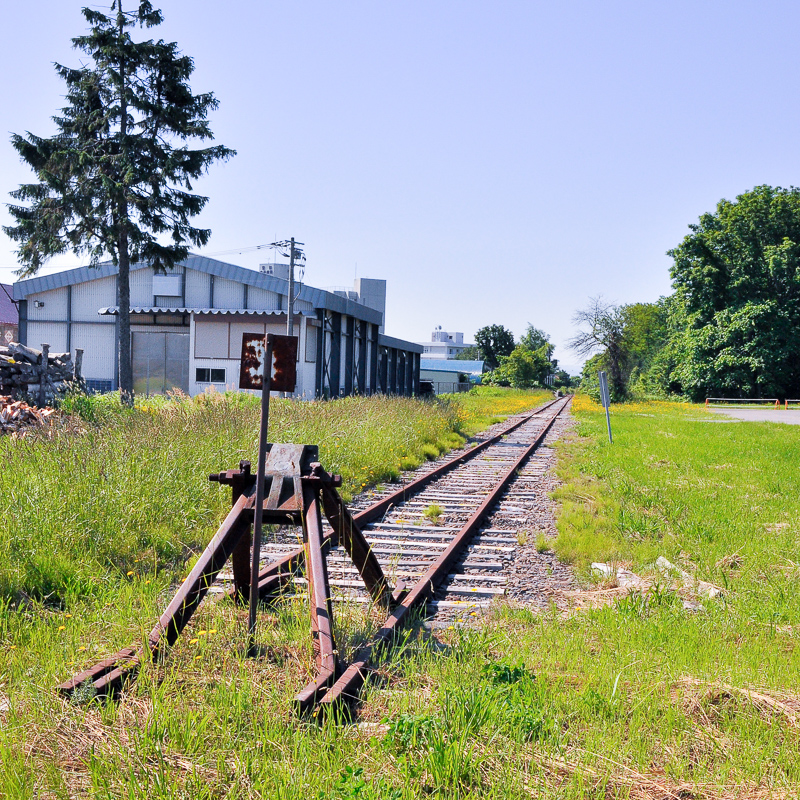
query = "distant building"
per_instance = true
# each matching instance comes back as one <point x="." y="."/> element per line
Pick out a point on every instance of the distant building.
<point x="187" y="327"/>
<point x="9" y="316"/>
<point x="444" y="344"/>
<point x="472" y="369"/>
<point x="447" y="375"/>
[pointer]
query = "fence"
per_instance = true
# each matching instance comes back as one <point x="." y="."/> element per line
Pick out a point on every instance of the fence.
<point x="720" y="402"/>
<point x="447" y="387"/>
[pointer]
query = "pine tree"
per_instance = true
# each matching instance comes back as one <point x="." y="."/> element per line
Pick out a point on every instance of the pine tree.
<point x="116" y="180"/>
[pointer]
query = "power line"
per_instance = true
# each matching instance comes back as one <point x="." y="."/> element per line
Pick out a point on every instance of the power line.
<point x="241" y="250"/>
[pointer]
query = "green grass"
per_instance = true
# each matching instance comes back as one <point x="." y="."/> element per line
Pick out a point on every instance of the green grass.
<point x="433" y="513"/>
<point x="601" y="702"/>
<point x="101" y="517"/>
<point x="482" y="406"/>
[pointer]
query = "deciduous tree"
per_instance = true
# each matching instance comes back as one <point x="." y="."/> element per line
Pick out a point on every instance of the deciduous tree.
<point x="494" y="341"/>
<point x="737" y="275"/>
<point x="523" y="368"/>
<point x="602" y="330"/>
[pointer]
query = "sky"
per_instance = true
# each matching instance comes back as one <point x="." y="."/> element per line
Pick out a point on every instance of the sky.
<point x="496" y="163"/>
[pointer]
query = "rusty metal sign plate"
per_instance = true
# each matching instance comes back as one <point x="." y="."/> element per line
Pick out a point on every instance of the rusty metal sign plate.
<point x="284" y="361"/>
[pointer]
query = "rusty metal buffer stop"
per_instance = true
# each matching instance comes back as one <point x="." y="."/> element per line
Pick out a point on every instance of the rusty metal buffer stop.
<point x="290" y="486"/>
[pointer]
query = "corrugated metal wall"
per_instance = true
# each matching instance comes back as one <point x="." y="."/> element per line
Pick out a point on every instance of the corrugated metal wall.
<point x="198" y="289"/>
<point x="53" y="333"/>
<point x="54" y="308"/>
<point x="263" y="300"/>
<point x="228" y="294"/>
<point x="88" y="297"/>
<point x="141" y="288"/>
<point x="98" y="343"/>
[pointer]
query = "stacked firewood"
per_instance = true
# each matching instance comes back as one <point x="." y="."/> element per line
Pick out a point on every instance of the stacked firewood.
<point x="16" y="416"/>
<point x="39" y="376"/>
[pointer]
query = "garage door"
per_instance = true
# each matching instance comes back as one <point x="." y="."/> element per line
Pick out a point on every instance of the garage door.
<point x="160" y="362"/>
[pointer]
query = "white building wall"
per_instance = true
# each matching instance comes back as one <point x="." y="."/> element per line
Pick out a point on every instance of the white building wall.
<point x="142" y="287"/>
<point x="306" y="370"/>
<point x="198" y="289"/>
<point x="88" y="297"/>
<point x="211" y="338"/>
<point x="55" y="305"/>
<point x="263" y="299"/>
<point x="228" y="294"/>
<point x="52" y="333"/>
<point x="98" y="343"/>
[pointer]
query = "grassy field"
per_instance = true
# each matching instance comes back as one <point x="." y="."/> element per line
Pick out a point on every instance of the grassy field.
<point x="101" y="516"/>
<point x="625" y="695"/>
<point x="708" y="697"/>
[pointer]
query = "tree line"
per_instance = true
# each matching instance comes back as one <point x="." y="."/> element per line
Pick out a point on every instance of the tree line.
<point x="731" y="328"/>
<point x="521" y="364"/>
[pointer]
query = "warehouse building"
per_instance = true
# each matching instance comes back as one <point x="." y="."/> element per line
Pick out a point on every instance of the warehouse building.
<point x="187" y="326"/>
<point x="9" y="318"/>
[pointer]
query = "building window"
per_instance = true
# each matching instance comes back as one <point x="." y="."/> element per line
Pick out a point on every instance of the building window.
<point x="209" y="375"/>
<point x="311" y="344"/>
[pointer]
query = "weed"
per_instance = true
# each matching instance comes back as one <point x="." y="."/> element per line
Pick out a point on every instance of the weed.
<point x="433" y="513"/>
<point x="542" y="543"/>
<point x="411" y="732"/>
<point x="429" y="451"/>
<point x="502" y="673"/>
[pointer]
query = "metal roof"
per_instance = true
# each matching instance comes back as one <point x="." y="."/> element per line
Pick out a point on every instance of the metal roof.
<point x="443" y="371"/>
<point x="452" y="365"/>
<point x="400" y="344"/>
<point x="183" y="310"/>
<point x="318" y="298"/>
<point x="8" y="311"/>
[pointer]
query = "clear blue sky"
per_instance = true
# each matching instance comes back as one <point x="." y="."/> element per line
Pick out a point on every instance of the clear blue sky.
<point x="495" y="162"/>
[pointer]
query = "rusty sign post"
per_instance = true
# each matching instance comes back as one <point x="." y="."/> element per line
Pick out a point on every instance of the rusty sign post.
<point x="256" y="372"/>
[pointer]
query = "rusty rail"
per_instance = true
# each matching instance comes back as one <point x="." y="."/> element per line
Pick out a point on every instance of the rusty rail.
<point x="347" y="686"/>
<point x="275" y="577"/>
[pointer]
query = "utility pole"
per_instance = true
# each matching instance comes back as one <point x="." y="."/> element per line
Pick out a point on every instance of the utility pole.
<point x="290" y="304"/>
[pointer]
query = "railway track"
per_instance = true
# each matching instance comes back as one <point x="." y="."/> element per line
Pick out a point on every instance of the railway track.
<point x="442" y="543"/>
<point x="407" y="542"/>
<point x="451" y="563"/>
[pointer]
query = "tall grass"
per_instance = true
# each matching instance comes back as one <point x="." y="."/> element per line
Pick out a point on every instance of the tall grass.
<point x="83" y="504"/>
<point x="482" y="406"/>
<point x="628" y="699"/>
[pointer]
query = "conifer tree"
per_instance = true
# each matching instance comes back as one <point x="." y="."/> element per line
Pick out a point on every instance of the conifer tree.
<point x="116" y="179"/>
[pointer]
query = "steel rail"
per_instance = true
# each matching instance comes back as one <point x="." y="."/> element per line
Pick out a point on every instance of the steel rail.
<point x="275" y="576"/>
<point x="109" y="674"/>
<point x="352" y="679"/>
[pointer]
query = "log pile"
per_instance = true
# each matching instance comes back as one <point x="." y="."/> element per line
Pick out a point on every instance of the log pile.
<point x="39" y="376"/>
<point x="16" y="416"/>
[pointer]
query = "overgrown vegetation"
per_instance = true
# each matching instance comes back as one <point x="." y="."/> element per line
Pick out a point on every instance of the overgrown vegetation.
<point x="84" y="505"/>
<point x="101" y="517"/>
<point x="627" y="695"/>
<point x="730" y="329"/>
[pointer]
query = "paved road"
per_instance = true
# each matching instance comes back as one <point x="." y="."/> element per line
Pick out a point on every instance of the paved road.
<point x="791" y="417"/>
